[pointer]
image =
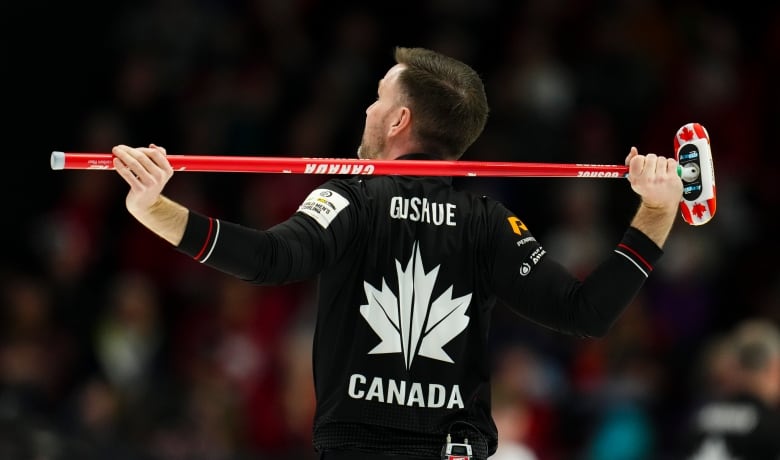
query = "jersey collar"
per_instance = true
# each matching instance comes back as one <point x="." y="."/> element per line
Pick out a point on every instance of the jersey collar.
<point x="426" y="156"/>
<point x="419" y="156"/>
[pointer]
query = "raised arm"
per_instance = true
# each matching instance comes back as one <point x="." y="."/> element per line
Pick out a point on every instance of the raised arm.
<point x="147" y="170"/>
<point x="656" y="181"/>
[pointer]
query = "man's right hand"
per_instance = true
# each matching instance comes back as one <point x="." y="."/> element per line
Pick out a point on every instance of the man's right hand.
<point x="655" y="180"/>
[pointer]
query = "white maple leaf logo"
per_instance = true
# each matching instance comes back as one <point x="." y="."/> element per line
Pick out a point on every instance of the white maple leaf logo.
<point x="410" y="323"/>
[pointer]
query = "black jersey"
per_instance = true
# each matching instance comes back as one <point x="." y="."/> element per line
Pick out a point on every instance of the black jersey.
<point x="737" y="427"/>
<point x="409" y="270"/>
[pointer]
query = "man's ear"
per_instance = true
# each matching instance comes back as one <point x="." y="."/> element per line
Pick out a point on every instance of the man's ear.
<point x="401" y="122"/>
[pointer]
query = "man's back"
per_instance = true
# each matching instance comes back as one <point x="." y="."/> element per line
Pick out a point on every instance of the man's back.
<point x="404" y="314"/>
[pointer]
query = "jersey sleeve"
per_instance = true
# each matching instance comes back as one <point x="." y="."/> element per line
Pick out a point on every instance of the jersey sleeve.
<point x="296" y="249"/>
<point x="542" y="290"/>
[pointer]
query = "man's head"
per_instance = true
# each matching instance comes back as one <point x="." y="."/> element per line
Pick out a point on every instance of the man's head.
<point x="757" y="351"/>
<point x="428" y="103"/>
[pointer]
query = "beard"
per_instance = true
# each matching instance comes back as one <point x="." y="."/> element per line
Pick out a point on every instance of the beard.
<point x="370" y="147"/>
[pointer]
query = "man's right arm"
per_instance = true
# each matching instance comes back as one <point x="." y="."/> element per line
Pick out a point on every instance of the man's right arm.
<point x="656" y="181"/>
<point x="543" y="290"/>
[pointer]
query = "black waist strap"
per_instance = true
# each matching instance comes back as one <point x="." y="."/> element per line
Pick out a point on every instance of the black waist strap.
<point x="356" y="455"/>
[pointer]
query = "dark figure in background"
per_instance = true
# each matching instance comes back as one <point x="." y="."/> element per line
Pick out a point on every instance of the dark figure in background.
<point x="744" y="421"/>
<point x="410" y="268"/>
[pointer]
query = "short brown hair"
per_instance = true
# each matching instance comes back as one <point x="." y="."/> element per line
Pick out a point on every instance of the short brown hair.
<point x="757" y="342"/>
<point x="447" y="99"/>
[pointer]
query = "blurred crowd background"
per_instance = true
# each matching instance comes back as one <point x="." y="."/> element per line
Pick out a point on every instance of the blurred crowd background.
<point x="114" y="345"/>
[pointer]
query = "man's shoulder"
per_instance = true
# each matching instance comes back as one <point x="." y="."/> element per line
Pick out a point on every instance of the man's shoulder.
<point x="391" y="185"/>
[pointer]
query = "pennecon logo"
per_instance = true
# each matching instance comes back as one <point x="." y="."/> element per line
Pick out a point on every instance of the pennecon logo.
<point x="410" y="323"/>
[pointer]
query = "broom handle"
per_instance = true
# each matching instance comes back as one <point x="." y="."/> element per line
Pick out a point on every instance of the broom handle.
<point x="349" y="166"/>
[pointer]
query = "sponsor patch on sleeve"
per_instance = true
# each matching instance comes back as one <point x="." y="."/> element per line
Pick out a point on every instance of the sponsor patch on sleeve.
<point x="530" y="261"/>
<point x="517" y="225"/>
<point x="323" y="206"/>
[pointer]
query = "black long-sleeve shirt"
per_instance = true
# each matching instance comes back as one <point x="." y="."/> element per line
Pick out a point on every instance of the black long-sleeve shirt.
<point x="409" y="270"/>
<point x="739" y="426"/>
